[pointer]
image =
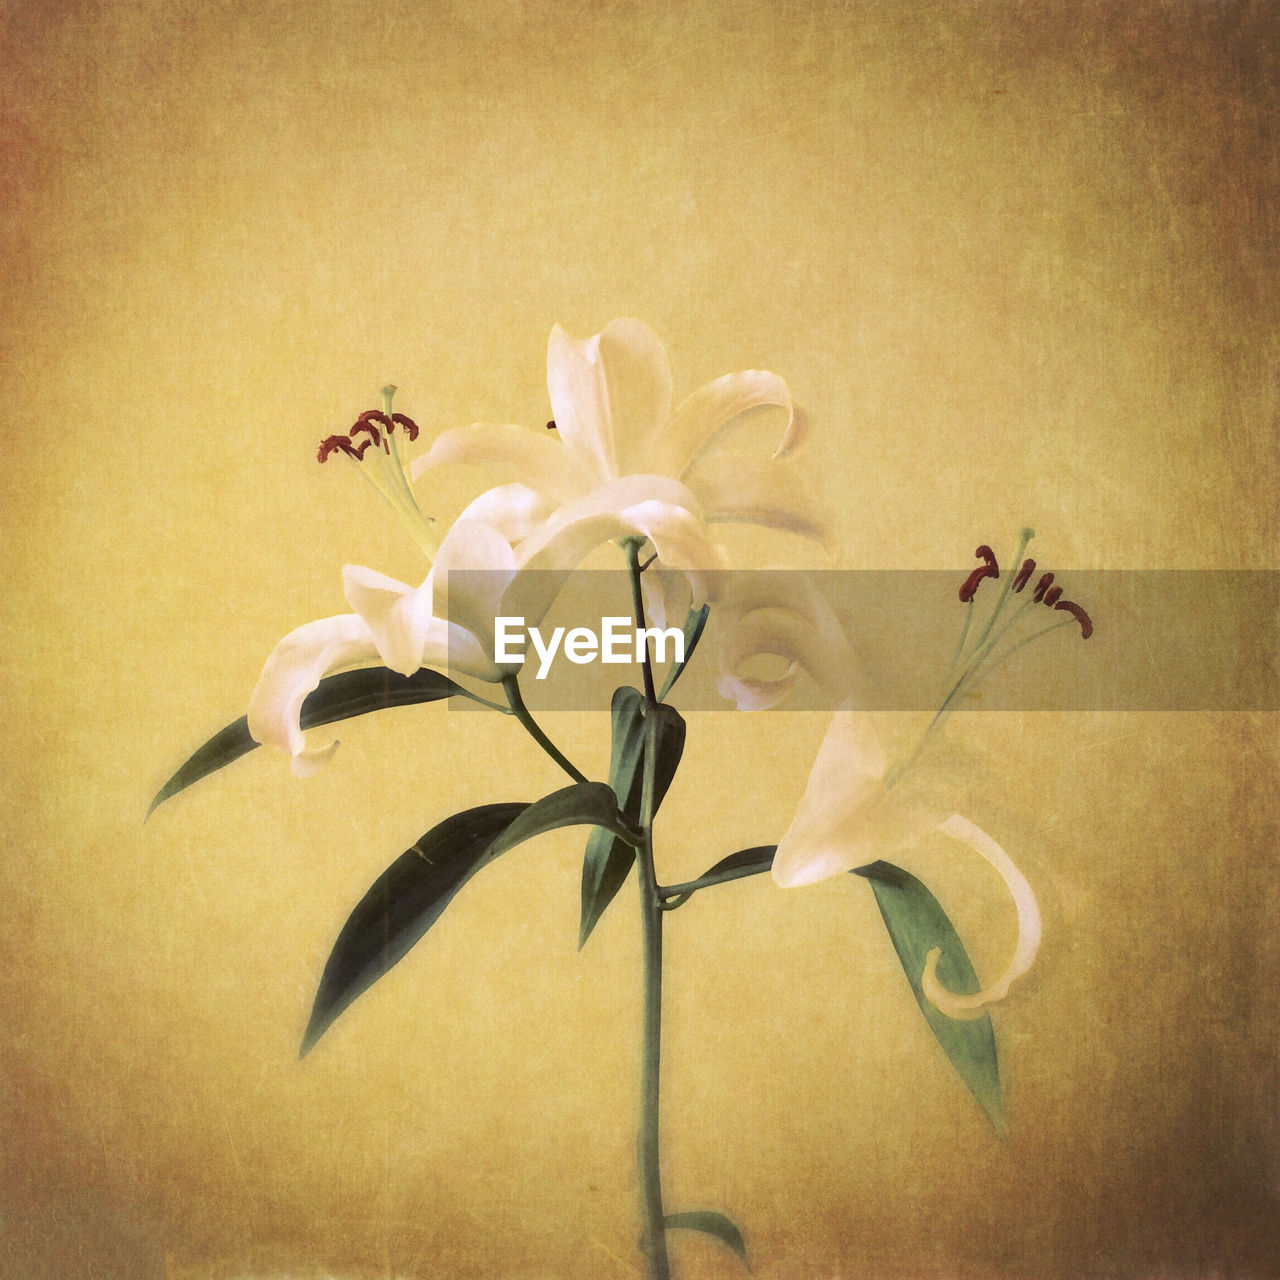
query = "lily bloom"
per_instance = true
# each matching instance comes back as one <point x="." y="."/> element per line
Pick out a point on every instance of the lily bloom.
<point x="400" y="626"/>
<point x="618" y="461"/>
<point x="395" y="624"/>
<point x="857" y="806"/>
<point x="514" y="533"/>
<point x="855" y="810"/>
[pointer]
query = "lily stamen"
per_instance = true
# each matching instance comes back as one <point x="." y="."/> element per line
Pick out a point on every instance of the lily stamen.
<point x="331" y="443"/>
<point x="374" y="439"/>
<point x="1042" y="586"/>
<point x="1086" y="622"/>
<point x="410" y="427"/>
<point x="990" y="569"/>
<point x="976" y="661"/>
<point x="1045" y="593"/>
<point x="385" y="470"/>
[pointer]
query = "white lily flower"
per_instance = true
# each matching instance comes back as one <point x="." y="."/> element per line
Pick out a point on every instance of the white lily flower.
<point x="854" y="811"/>
<point x="621" y="462"/>
<point x="401" y="626"/>
<point x="856" y="807"/>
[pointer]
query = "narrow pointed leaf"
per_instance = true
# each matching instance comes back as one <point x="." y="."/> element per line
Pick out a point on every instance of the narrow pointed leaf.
<point x="339" y="697"/>
<point x="714" y="1224"/>
<point x="746" y="862"/>
<point x="581" y="804"/>
<point x="737" y="866"/>
<point x="402" y="904"/>
<point x="916" y="924"/>
<point x="694" y="625"/>
<point x="608" y="859"/>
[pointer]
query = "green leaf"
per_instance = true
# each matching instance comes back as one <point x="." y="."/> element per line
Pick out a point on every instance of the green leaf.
<point x="608" y="859"/>
<point x="737" y="866"/>
<point x="580" y="804"/>
<point x="916" y="924"/>
<point x="408" y="898"/>
<point x="714" y="1224"/>
<point x="746" y="862"/>
<point x="402" y="904"/>
<point x="350" y="693"/>
<point x="694" y="624"/>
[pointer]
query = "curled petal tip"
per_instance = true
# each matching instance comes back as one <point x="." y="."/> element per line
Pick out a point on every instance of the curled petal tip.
<point x="307" y="763"/>
<point x="962" y="1008"/>
<point x="794" y="434"/>
<point x="967" y="1007"/>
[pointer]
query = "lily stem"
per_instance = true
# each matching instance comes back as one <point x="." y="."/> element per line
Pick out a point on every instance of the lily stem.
<point x="484" y="702"/>
<point x="637" y="603"/>
<point x="522" y="713"/>
<point x="654" y="1236"/>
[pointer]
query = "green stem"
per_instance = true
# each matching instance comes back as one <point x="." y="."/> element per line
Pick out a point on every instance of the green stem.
<point x="522" y="713"/>
<point x="637" y="603"/>
<point x="654" y="1237"/>
<point x="484" y="702"/>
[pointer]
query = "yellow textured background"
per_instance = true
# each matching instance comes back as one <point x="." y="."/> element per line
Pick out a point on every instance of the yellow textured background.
<point x="1019" y="263"/>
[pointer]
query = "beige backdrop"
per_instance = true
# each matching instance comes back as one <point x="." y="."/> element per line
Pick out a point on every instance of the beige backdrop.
<point x="1019" y="262"/>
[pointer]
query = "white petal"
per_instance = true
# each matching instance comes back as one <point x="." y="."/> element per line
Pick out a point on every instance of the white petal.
<point x="293" y="670"/>
<point x="656" y="507"/>
<point x="787" y="634"/>
<point x="710" y="409"/>
<point x="755" y="693"/>
<point x="786" y="616"/>
<point x="751" y="491"/>
<point x="681" y="540"/>
<point x="603" y="515"/>
<point x="1024" y="899"/>
<point x="509" y="454"/>
<point x="470" y="578"/>
<point x="449" y="647"/>
<point x="667" y="599"/>
<point x="514" y="510"/>
<point x="840" y="816"/>
<point x="609" y="394"/>
<point x="397" y="614"/>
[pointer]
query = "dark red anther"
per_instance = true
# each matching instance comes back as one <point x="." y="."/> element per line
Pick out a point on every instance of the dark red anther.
<point x="1028" y="568"/>
<point x="1086" y="622"/>
<point x="365" y="423"/>
<point x="990" y="569"/>
<point x="1052" y="595"/>
<point x="410" y="427"/>
<point x="374" y="435"/>
<point x="334" y="443"/>
<point x="1042" y="586"/>
<point x="551" y="426"/>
